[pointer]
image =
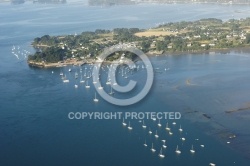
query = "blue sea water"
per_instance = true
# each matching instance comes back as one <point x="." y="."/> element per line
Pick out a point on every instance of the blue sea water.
<point x="34" y="103"/>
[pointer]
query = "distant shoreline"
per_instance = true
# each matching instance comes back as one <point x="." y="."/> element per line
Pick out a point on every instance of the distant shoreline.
<point x="142" y="2"/>
<point x="130" y="2"/>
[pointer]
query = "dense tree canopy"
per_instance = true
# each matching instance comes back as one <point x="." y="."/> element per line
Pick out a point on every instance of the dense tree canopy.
<point x="198" y="35"/>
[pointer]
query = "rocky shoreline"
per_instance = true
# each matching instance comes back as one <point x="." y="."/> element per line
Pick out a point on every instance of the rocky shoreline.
<point x="91" y="61"/>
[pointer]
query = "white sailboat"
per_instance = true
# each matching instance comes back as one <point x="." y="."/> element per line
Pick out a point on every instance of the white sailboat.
<point x="76" y="86"/>
<point x="126" y="76"/>
<point x="143" y="125"/>
<point x="95" y="99"/>
<point x="129" y="127"/>
<point x="167" y="128"/>
<point x="160" y="154"/>
<point x="150" y="132"/>
<point x="85" y="73"/>
<point x="111" y="91"/>
<point x="183" y="139"/>
<point x="152" y="149"/>
<point x="180" y="129"/>
<point x="212" y="164"/>
<point x="166" y="69"/>
<point x="94" y="79"/>
<point x="122" y="72"/>
<point x="65" y="80"/>
<point x="177" y="150"/>
<point x="108" y="82"/>
<point x="170" y="133"/>
<point x="100" y="88"/>
<point x="156" y="135"/>
<point x="174" y="123"/>
<point x="192" y="149"/>
<point x="164" y="145"/>
<point x="87" y="86"/>
<point x="88" y="75"/>
<point x="76" y="75"/>
<point x="123" y="123"/>
<point x="81" y="80"/>
<point x="159" y="123"/>
<point x="145" y="144"/>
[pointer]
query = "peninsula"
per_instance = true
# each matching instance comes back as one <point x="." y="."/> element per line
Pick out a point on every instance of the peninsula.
<point x="198" y="36"/>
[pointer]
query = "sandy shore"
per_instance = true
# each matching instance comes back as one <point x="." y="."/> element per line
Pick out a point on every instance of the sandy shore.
<point x="67" y="63"/>
<point x="49" y="65"/>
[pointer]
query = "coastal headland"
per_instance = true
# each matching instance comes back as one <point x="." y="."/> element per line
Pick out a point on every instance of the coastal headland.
<point x="201" y="36"/>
